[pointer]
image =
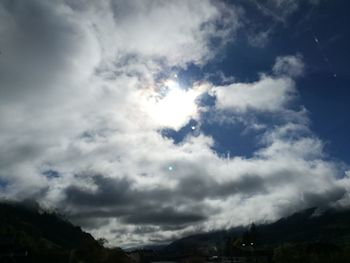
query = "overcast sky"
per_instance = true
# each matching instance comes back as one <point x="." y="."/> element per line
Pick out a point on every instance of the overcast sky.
<point x="144" y="121"/>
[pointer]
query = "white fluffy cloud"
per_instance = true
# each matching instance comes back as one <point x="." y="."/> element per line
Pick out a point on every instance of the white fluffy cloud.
<point x="83" y="100"/>
<point x="267" y="94"/>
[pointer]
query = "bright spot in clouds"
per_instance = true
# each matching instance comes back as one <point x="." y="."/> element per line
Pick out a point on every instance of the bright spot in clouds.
<point x="172" y="106"/>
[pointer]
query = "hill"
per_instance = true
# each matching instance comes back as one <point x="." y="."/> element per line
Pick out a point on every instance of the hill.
<point x="31" y="234"/>
<point x="304" y="227"/>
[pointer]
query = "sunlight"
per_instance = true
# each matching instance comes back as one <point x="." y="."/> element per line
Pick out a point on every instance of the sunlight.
<point x="172" y="106"/>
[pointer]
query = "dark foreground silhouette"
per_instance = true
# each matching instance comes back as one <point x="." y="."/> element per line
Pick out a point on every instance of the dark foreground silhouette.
<point x="30" y="234"/>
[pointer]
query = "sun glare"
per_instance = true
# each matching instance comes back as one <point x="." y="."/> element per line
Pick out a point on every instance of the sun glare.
<point x="172" y="106"/>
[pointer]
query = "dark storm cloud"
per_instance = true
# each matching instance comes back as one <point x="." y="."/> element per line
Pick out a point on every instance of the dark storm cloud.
<point x="90" y="223"/>
<point x="109" y="192"/>
<point x="197" y="187"/>
<point x="95" y="212"/>
<point x="115" y="197"/>
<point x="119" y="192"/>
<point x="112" y="192"/>
<point x="200" y="187"/>
<point x="323" y="200"/>
<point x="163" y="216"/>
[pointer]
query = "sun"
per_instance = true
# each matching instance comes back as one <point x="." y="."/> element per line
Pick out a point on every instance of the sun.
<point x="171" y="106"/>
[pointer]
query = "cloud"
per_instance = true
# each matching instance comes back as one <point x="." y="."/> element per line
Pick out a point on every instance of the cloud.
<point x="289" y="65"/>
<point x="164" y="216"/>
<point x="280" y="10"/>
<point x="272" y="14"/>
<point x="76" y="133"/>
<point x="259" y="38"/>
<point x="43" y="49"/>
<point x="176" y="33"/>
<point x="184" y="29"/>
<point x="267" y="94"/>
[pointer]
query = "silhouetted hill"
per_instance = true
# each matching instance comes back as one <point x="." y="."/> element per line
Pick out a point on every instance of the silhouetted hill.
<point x="199" y="242"/>
<point x="31" y="234"/>
<point x="305" y="226"/>
<point x="31" y="220"/>
<point x="332" y="226"/>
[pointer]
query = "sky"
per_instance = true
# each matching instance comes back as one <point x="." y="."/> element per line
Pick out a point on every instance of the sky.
<point x="146" y="121"/>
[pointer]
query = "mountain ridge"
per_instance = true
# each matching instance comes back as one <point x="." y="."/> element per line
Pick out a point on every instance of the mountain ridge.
<point x="28" y="233"/>
<point x="303" y="226"/>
